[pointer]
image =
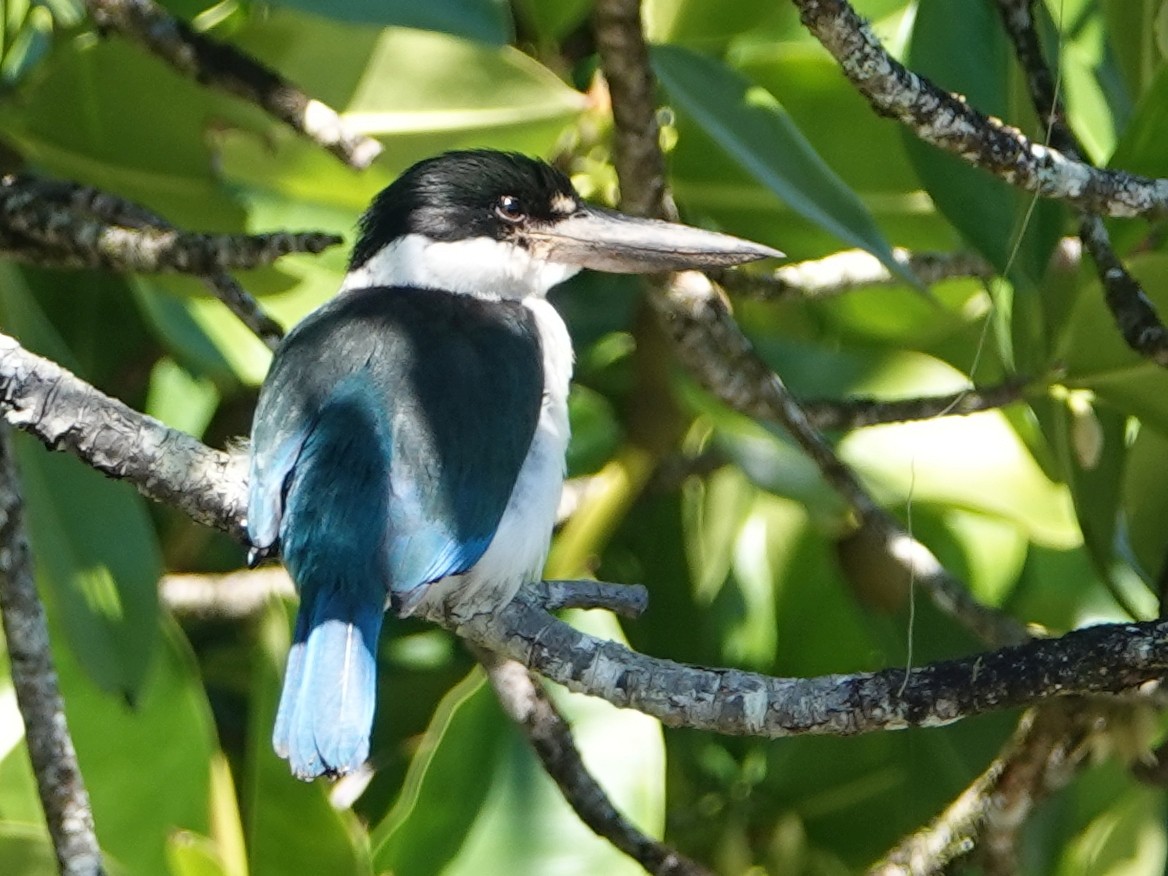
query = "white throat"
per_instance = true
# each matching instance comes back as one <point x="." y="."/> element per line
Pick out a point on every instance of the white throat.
<point x="478" y="266"/>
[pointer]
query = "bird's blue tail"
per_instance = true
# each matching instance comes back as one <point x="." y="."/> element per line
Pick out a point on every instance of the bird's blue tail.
<point x="330" y="688"/>
<point x="331" y="539"/>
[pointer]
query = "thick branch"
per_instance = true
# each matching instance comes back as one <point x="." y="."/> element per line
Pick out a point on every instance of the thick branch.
<point x="948" y="122"/>
<point x="50" y="748"/>
<point x="224" y="67"/>
<point x="68" y="414"/>
<point x="65" y="413"/>
<point x="1108" y="658"/>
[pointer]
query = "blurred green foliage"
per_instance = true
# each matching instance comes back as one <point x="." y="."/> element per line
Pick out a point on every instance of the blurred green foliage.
<point x="1053" y="509"/>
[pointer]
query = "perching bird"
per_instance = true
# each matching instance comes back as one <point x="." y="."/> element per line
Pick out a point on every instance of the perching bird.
<point x="409" y="438"/>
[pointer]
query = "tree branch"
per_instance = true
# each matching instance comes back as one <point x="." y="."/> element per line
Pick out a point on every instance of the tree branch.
<point x="945" y="120"/>
<point x="528" y="705"/>
<point x="50" y="748"/>
<point x="224" y="67"/>
<point x="850" y="270"/>
<point x="59" y="224"/>
<point x="1134" y="313"/>
<point x="65" y="413"/>
<point x="1106" y="658"/>
<point x="856" y="413"/>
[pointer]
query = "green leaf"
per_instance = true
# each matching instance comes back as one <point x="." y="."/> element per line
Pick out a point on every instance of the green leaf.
<point x="1091" y="443"/>
<point x="430" y="821"/>
<point x="95" y="550"/>
<point x="74" y="119"/>
<point x="189" y="854"/>
<point x="553" y="19"/>
<point x="709" y="22"/>
<point x="1145" y="502"/>
<point x="484" y="20"/>
<point x="1128" y="839"/>
<point x="179" y="399"/>
<point x="596" y="432"/>
<point x="747" y="122"/>
<point x="25" y="850"/>
<point x="478" y="802"/>
<point x="168" y="735"/>
<point x="1094" y="356"/>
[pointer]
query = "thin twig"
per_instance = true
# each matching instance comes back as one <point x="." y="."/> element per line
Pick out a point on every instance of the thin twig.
<point x="226" y="68"/>
<point x="528" y="705"/>
<point x="50" y="748"/>
<point x="1039" y="759"/>
<point x="856" y="413"/>
<point x="850" y="270"/>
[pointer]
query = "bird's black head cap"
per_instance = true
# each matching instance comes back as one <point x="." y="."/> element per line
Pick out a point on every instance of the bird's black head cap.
<point x="466" y="194"/>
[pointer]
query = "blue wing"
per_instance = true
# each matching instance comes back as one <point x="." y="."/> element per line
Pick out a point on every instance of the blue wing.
<point x="388" y="437"/>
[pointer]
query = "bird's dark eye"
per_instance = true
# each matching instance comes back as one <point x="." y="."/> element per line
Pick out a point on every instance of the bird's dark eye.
<point x="509" y="209"/>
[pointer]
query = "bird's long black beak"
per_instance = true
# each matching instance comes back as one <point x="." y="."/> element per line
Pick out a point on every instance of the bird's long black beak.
<point x="605" y="240"/>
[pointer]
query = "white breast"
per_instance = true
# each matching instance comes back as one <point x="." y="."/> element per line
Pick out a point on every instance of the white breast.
<point x="518" y="551"/>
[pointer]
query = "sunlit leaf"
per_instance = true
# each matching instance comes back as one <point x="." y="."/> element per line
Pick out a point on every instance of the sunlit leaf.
<point x="747" y="122"/>
<point x="485" y="20"/>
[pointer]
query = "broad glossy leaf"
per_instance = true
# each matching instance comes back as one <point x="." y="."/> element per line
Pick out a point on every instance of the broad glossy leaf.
<point x="446" y="784"/>
<point x="189" y="854"/>
<point x="1128" y="839"/>
<point x="710" y="22"/>
<point x="106" y="113"/>
<point x="596" y="432"/>
<point x="168" y="735"/>
<point x="180" y="400"/>
<point x="479" y="802"/>
<point x="714" y="510"/>
<point x="1097" y="103"/>
<point x="747" y="122"/>
<point x="94" y="546"/>
<point x="1091" y="443"/>
<point x="553" y="19"/>
<point x="1145" y="501"/>
<point x="485" y="20"/>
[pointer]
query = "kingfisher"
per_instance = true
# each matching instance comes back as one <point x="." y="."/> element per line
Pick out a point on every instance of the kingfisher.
<point x="408" y="443"/>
